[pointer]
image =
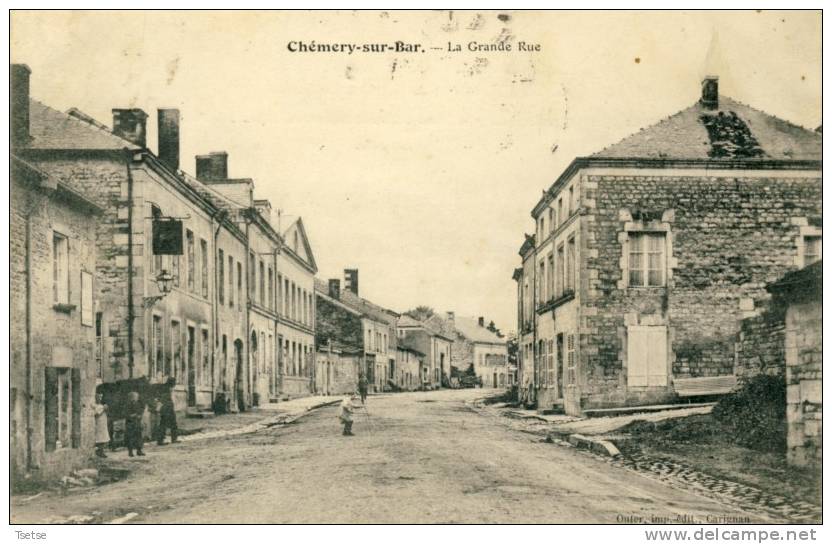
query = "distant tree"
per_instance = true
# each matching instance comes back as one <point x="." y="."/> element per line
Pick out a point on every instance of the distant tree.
<point x="493" y="328"/>
<point x="511" y="346"/>
<point x="421" y="313"/>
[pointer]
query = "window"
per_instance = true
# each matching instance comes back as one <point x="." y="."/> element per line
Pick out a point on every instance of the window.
<point x="175" y="349"/>
<point x="550" y="363"/>
<point x="570" y="264"/>
<point x="62" y="405"/>
<point x="221" y="276"/>
<point x="191" y="248"/>
<point x="551" y="220"/>
<point x="156" y="260"/>
<point x="252" y="280"/>
<point x="550" y="275"/>
<point x="559" y="355"/>
<point x="541" y="282"/>
<point x="570" y="358"/>
<point x="203" y="252"/>
<point x="99" y="345"/>
<point x="646" y="259"/>
<point x="240" y="287"/>
<point x="156" y="353"/>
<point x="559" y="279"/>
<point x="206" y="359"/>
<point x="174" y="267"/>
<point x="646" y="356"/>
<point x="286" y="298"/>
<point x="811" y="250"/>
<point x="571" y="200"/>
<point x="60" y="268"/>
<point x="271" y="289"/>
<point x="279" y="293"/>
<point x="86" y="299"/>
<point x="560" y="211"/>
<point x="262" y="287"/>
<point x="231" y="283"/>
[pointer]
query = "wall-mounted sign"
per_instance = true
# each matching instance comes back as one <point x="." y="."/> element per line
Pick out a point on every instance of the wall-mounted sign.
<point x="167" y="237"/>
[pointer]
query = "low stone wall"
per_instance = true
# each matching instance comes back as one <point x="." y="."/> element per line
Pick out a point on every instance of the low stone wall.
<point x="760" y="347"/>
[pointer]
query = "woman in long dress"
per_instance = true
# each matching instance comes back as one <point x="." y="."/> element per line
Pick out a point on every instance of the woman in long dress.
<point x="102" y="433"/>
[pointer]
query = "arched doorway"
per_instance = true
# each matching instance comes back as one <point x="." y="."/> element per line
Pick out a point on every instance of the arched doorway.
<point x="239" y="389"/>
<point x="254" y="368"/>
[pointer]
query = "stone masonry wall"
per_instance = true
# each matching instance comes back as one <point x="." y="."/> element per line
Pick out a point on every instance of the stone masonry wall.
<point x="729" y="235"/>
<point x="760" y="345"/>
<point x="804" y="384"/>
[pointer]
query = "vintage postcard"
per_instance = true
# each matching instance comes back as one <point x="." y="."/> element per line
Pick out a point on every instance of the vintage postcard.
<point x="416" y="267"/>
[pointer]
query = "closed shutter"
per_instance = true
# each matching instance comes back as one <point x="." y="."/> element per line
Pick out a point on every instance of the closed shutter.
<point x="637" y="348"/>
<point x="646" y="356"/>
<point x="76" y="408"/>
<point x="51" y="407"/>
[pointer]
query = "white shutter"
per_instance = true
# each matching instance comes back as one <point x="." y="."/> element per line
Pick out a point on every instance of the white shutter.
<point x="657" y="360"/>
<point x="637" y="355"/>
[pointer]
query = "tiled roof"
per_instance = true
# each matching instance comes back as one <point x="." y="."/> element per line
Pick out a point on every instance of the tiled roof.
<point x="469" y="328"/>
<point x="734" y="130"/>
<point x="52" y="129"/>
<point x="358" y="304"/>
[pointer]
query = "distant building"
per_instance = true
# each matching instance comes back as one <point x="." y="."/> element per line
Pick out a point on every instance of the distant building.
<point x="409" y="361"/>
<point x="338" y="368"/>
<point x="647" y="254"/>
<point x="427" y="338"/>
<point x="476" y="346"/>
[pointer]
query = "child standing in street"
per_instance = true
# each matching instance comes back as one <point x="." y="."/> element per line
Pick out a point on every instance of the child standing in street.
<point x="345" y="414"/>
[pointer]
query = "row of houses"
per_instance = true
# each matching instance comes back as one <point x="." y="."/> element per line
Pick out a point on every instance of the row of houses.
<point x="393" y="351"/>
<point x="648" y="255"/>
<point x="125" y="266"/>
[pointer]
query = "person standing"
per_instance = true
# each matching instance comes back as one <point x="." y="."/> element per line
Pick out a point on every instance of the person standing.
<point x="167" y="417"/>
<point x="133" y="428"/>
<point x="362" y="387"/>
<point x="102" y="431"/>
<point x="345" y="414"/>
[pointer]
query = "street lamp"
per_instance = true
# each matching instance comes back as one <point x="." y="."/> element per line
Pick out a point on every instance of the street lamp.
<point x="164" y="281"/>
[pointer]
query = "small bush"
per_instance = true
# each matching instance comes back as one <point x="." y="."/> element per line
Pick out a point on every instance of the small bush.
<point x="755" y="414"/>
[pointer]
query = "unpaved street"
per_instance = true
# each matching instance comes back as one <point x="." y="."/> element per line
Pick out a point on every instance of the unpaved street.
<point x="417" y="458"/>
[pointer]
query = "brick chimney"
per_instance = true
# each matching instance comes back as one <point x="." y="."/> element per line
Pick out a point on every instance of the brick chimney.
<point x="351" y="280"/>
<point x="481" y="321"/>
<point x="451" y="318"/>
<point x="212" y="167"/>
<point x="19" y="102"/>
<point x="168" y="124"/>
<point x="710" y="93"/>
<point x="335" y="289"/>
<point x="131" y="124"/>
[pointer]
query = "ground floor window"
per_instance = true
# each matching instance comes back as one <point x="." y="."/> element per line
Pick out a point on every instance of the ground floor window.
<point x="62" y="408"/>
<point x="646" y="356"/>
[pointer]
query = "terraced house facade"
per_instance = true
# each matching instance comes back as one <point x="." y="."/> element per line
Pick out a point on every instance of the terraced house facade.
<point x="647" y="254"/>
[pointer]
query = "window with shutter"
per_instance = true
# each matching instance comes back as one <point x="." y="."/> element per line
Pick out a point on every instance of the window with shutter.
<point x="75" y="432"/>
<point x="51" y="408"/>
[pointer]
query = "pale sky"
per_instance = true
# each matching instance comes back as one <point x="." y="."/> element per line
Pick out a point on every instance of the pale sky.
<point x="419" y="169"/>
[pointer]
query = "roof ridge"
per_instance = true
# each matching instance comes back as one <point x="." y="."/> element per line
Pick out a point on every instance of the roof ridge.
<point x="83" y="123"/>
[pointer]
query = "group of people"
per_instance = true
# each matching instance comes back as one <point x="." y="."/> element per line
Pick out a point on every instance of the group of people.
<point x="163" y="418"/>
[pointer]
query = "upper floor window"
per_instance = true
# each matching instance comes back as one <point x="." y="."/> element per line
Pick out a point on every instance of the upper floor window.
<point x="811" y="249"/>
<point x="646" y="259"/>
<point x="221" y="276"/>
<point x="60" y="268"/>
<point x="203" y="251"/>
<point x="551" y="220"/>
<point x="189" y="237"/>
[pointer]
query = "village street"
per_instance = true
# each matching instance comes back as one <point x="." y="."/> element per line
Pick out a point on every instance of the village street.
<point x="418" y="457"/>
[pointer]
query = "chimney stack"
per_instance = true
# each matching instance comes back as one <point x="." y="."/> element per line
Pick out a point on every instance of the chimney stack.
<point x="168" y="124"/>
<point x="19" y="102"/>
<point x="131" y="124"/>
<point x="212" y="167"/>
<point x="335" y="289"/>
<point x="351" y="280"/>
<point x="710" y="93"/>
<point x="450" y="317"/>
<point x="481" y="321"/>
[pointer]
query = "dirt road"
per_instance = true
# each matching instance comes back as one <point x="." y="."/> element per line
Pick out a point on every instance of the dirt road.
<point x="416" y="458"/>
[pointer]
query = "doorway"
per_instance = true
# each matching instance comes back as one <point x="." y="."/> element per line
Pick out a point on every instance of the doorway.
<point x="191" y="367"/>
<point x="239" y="389"/>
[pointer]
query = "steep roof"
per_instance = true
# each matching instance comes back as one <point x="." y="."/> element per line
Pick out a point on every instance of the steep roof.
<point x="469" y="328"/>
<point x="732" y="131"/>
<point x="357" y="304"/>
<point x="52" y="129"/>
<point x="304" y="250"/>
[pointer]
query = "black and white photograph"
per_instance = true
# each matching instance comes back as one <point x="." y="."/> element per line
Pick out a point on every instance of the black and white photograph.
<point x="421" y="267"/>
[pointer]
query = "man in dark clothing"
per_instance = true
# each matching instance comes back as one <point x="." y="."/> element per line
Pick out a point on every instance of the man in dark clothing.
<point x="362" y="387"/>
<point x="133" y="429"/>
<point x="167" y="419"/>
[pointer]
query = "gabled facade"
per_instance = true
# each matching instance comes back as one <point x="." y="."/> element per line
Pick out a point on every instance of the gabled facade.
<point x="647" y="253"/>
<point x="427" y="338"/>
<point x="476" y="346"/>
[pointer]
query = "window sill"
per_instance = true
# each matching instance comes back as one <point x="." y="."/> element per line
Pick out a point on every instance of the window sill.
<point x="64" y="308"/>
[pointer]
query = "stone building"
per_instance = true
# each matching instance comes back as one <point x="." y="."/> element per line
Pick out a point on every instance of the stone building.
<point x="337" y="369"/>
<point x="429" y="339"/>
<point x="800" y="293"/>
<point x="475" y="345"/>
<point x="346" y="318"/>
<point x="409" y="361"/>
<point x="647" y="254"/>
<point x="55" y="345"/>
